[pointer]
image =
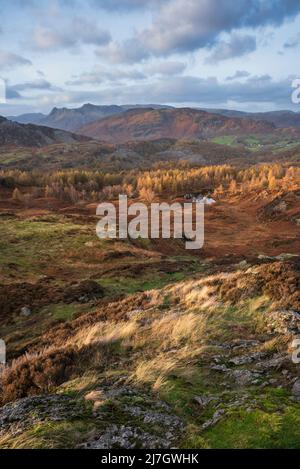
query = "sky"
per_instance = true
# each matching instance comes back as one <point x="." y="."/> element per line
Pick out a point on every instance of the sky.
<point x="237" y="54"/>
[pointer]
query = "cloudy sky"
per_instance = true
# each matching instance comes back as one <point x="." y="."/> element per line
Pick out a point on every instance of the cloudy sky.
<point x="239" y="54"/>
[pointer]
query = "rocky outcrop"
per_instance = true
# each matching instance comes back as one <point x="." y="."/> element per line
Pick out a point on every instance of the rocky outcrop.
<point x="23" y="414"/>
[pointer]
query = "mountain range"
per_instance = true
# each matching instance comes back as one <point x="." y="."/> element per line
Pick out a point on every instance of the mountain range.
<point x="119" y="124"/>
<point x="74" y="119"/>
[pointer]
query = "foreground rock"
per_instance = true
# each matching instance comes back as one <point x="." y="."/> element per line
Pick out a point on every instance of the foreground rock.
<point x="23" y="414"/>
<point x="296" y="390"/>
<point x="126" y="437"/>
<point x="155" y="424"/>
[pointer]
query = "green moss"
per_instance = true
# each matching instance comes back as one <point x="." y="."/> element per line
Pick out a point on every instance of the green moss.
<point x="62" y="311"/>
<point x="273" y="422"/>
<point x="256" y="429"/>
<point x="179" y="391"/>
<point x="146" y="281"/>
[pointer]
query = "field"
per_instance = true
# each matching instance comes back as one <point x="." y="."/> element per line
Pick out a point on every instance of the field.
<point x="255" y="143"/>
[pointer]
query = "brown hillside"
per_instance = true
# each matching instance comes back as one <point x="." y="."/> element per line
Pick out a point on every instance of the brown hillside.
<point x="34" y="136"/>
<point x="149" y="124"/>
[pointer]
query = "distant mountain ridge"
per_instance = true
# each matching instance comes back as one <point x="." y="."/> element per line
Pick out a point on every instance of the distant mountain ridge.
<point x="30" y="118"/>
<point x="114" y="123"/>
<point x="178" y="123"/>
<point x="281" y="119"/>
<point x="73" y="119"/>
<point x="31" y="135"/>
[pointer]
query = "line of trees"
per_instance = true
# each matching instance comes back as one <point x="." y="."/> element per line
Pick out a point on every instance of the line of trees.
<point x="77" y="185"/>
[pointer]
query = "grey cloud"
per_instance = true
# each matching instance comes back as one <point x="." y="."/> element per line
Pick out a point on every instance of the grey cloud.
<point x="34" y="85"/>
<point x="125" y="5"/>
<point x="89" y="32"/>
<point x="292" y="43"/>
<point x="259" y="79"/>
<point x="9" y="60"/>
<point x="79" y="31"/>
<point x="187" y="25"/>
<point x="12" y="94"/>
<point x="166" y="68"/>
<point x="237" y="46"/>
<point x="130" y="51"/>
<point x="116" y="75"/>
<point x="189" y="89"/>
<point x="238" y="74"/>
<point x="211" y="91"/>
<point x="101" y="75"/>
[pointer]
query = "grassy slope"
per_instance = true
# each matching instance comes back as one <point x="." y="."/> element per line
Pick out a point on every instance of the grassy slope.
<point x="166" y="350"/>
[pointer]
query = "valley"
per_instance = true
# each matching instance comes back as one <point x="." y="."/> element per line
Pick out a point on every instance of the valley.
<point x="141" y="343"/>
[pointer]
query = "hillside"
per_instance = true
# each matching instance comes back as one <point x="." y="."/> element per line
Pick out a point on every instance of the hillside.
<point x="281" y="119"/>
<point x="114" y="157"/>
<point x="29" y="135"/>
<point x="143" y="154"/>
<point x="184" y="123"/>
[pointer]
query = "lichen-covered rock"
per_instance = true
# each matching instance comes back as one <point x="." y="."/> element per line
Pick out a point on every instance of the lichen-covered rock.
<point x="22" y="414"/>
<point x="125" y="437"/>
<point x="296" y="389"/>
